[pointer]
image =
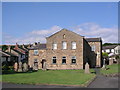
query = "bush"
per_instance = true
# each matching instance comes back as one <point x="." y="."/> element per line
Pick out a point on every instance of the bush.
<point x="5" y="67"/>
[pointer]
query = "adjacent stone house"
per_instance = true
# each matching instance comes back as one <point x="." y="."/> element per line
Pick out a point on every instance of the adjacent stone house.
<point x="65" y="50"/>
<point x="6" y="57"/>
<point x="96" y="48"/>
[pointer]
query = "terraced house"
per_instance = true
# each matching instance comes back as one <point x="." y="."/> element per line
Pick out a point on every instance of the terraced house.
<point x="66" y="50"/>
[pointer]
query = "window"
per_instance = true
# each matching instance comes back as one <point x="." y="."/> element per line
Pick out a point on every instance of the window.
<point x="35" y="60"/>
<point x="93" y="48"/>
<point x="64" y="45"/>
<point x="54" y="46"/>
<point x="112" y="50"/>
<point x="54" y="60"/>
<point x="73" y="59"/>
<point x="73" y="45"/>
<point x="63" y="60"/>
<point x="64" y="36"/>
<point x="35" y="52"/>
<point x="107" y="50"/>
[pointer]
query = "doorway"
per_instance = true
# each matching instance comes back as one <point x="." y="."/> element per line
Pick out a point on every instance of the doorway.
<point x="43" y="64"/>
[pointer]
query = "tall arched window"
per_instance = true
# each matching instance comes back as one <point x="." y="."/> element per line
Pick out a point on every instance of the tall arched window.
<point x="54" y="46"/>
<point x="73" y="45"/>
<point x="64" y="45"/>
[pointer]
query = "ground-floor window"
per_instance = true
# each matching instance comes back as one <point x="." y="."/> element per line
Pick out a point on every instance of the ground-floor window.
<point x="54" y="60"/>
<point x="63" y="60"/>
<point x="73" y="59"/>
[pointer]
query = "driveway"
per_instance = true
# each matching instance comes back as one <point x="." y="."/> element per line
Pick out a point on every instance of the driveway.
<point x="104" y="82"/>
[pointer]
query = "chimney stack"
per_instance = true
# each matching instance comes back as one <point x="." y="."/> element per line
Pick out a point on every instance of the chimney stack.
<point x="9" y="48"/>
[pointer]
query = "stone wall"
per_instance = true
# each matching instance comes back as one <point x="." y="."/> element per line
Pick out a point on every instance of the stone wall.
<point x="98" y="49"/>
<point x="39" y="57"/>
<point x="69" y="52"/>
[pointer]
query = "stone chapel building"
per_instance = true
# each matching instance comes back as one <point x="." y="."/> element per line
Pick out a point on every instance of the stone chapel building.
<point x="66" y="50"/>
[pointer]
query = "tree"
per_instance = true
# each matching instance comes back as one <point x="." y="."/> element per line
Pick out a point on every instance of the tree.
<point x="105" y="55"/>
<point x="4" y="47"/>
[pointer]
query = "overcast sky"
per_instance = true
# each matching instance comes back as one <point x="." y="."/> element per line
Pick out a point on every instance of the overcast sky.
<point x="32" y="22"/>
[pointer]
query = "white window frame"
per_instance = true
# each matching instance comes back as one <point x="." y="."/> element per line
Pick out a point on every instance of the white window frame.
<point x="107" y="50"/>
<point x="74" y="45"/>
<point x="73" y="58"/>
<point x="54" y="46"/>
<point x="93" y="48"/>
<point x="64" y="45"/>
<point x="35" y="52"/>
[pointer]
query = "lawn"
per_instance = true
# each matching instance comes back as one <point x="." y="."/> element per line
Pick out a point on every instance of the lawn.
<point x="63" y="77"/>
<point x="112" y="69"/>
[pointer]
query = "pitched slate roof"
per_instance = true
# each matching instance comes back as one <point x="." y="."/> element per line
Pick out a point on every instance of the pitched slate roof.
<point x="11" y="54"/>
<point x="3" y="54"/>
<point x="23" y="49"/>
<point x="38" y="46"/>
<point x="109" y="47"/>
<point x="17" y="51"/>
<point x="93" y="39"/>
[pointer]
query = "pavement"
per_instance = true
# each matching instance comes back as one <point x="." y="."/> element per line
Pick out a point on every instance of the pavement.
<point x="10" y="85"/>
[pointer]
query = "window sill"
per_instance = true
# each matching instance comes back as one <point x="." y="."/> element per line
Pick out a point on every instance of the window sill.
<point x="54" y="63"/>
<point x="36" y="55"/>
<point x="63" y="64"/>
<point x="73" y="63"/>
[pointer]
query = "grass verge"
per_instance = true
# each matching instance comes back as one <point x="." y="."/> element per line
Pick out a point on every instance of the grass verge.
<point x="111" y="69"/>
<point x="54" y="77"/>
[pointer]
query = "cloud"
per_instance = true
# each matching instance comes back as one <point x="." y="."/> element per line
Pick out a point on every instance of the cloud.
<point x="31" y="37"/>
<point x="95" y="30"/>
<point x="85" y="29"/>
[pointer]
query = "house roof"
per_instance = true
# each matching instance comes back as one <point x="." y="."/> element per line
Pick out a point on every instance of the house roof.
<point x="17" y="51"/>
<point x="10" y="54"/>
<point x="93" y="39"/>
<point x="109" y="47"/>
<point x="23" y="49"/>
<point x="38" y="46"/>
<point x="3" y="54"/>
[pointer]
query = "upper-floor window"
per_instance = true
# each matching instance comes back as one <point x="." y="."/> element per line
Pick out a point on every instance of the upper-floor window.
<point x="93" y="48"/>
<point x="73" y="59"/>
<point x="64" y="45"/>
<point x="35" y="52"/>
<point x="112" y="50"/>
<point x="54" y="46"/>
<point x="35" y="60"/>
<point x="73" y="45"/>
<point x="107" y="50"/>
<point x="63" y="60"/>
<point x="54" y="60"/>
<point x="64" y="36"/>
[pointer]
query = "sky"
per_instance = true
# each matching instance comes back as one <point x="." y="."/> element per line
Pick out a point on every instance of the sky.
<point x="29" y="22"/>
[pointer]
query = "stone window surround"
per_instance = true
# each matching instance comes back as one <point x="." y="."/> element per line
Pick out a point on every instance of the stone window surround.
<point x="73" y="57"/>
<point x="64" y="60"/>
<point x="36" y="53"/>
<point x="54" y="58"/>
